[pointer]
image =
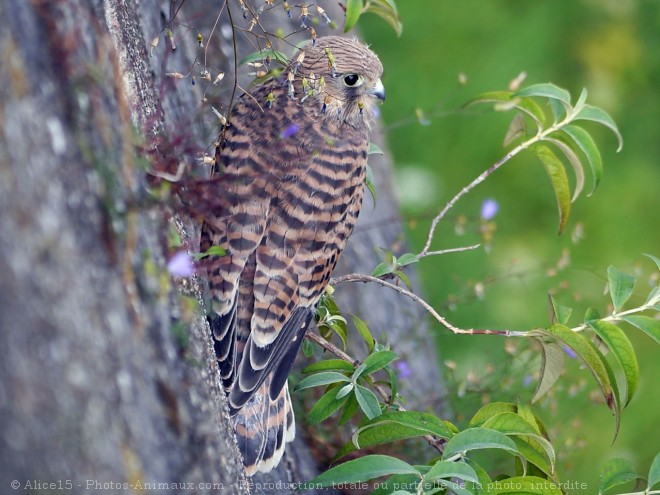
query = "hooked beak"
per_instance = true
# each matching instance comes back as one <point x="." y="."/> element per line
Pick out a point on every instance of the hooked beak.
<point x="378" y="90"/>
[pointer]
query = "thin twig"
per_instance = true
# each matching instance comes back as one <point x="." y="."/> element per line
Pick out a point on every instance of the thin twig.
<point x="233" y="90"/>
<point x="208" y="40"/>
<point x="450" y="250"/>
<point x="330" y="347"/>
<point x="250" y="96"/>
<point x="357" y="277"/>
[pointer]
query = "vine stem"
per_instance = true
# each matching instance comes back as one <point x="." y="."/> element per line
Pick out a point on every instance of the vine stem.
<point x="356" y="277"/>
<point x="540" y="136"/>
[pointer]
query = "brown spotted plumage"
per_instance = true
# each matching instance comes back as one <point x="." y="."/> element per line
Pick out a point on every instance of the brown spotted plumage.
<point x="291" y="167"/>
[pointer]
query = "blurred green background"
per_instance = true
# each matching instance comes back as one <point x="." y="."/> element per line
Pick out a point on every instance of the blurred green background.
<point x="611" y="47"/>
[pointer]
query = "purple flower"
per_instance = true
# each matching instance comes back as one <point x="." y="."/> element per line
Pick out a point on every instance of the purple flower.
<point x="402" y="369"/>
<point x="570" y="352"/>
<point x="289" y="131"/>
<point x="489" y="209"/>
<point x="181" y="265"/>
<point x="527" y="380"/>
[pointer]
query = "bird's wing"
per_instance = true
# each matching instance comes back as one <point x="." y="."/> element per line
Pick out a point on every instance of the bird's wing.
<point x="314" y="207"/>
<point x="293" y="199"/>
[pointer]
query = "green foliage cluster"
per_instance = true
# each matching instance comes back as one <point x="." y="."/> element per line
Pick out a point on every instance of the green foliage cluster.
<point x="560" y="131"/>
<point x="504" y="429"/>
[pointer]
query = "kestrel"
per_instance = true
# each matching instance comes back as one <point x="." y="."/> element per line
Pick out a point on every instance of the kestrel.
<point x="291" y="169"/>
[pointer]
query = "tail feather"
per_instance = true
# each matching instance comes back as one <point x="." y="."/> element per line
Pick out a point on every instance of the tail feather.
<point x="263" y="427"/>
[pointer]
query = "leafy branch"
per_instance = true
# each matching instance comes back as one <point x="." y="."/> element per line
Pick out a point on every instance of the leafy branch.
<point x="596" y="337"/>
<point x="511" y="429"/>
<point x="561" y="133"/>
<point x="599" y="342"/>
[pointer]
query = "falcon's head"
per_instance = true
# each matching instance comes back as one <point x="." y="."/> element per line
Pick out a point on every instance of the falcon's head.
<point x="340" y="77"/>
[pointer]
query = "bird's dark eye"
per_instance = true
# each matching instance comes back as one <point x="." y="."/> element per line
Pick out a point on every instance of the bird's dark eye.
<point x="351" y="79"/>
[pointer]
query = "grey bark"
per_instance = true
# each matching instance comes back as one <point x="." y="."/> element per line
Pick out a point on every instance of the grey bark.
<point x="95" y="384"/>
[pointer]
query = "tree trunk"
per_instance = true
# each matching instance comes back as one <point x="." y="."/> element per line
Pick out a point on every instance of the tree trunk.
<point x="99" y="387"/>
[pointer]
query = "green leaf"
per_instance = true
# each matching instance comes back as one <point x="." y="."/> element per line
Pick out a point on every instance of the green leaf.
<point x="558" y="110"/>
<point x="450" y="469"/>
<point x="353" y="12"/>
<point x="403" y="277"/>
<point x="392" y="485"/>
<point x="482" y="487"/>
<point x="579" y="105"/>
<point x="371" y="186"/>
<point x="615" y="472"/>
<point x="325" y="406"/>
<point x="407" y="259"/>
<point x="364" y="332"/>
<point x="546" y="90"/>
<point x="382" y="269"/>
<point x="349" y="409"/>
<point x="575" y="163"/>
<point x="591" y="314"/>
<point x="613" y="402"/>
<point x="654" y="472"/>
<point x="591" y="357"/>
<point x="367" y="401"/>
<point x="307" y="348"/>
<point x="212" y="251"/>
<point x="319" y="379"/>
<point x="513" y="424"/>
<point x="393" y="383"/>
<point x="560" y="314"/>
<point x="531" y="108"/>
<point x="552" y="364"/>
<point x="386" y="9"/>
<point x="395" y="425"/>
<point x="646" y="324"/>
<point x="490" y="410"/>
<point x="490" y="97"/>
<point x="216" y="251"/>
<point x="329" y="365"/>
<point x="344" y="391"/>
<point x="477" y="439"/>
<point x="595" y="114"/>
<point x="526" y="485"/>
<point x="525" y="412"/>
<point x="374" y="149"/>
<point x="376" y="361"/>
<point x="364" y="469"/>
<point x="173" y="238"/>
<point x="533" y="454"/>
<point x="622" y="350"/>
<point x="654" y="259"/>
<point x="452" y="487"/>
<point x="587" y="145"/>
<point x="621" y="286"/>
<point x="559" y="180"/>
<point x="509" y="422"/>
<point x="516" y="130"/>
